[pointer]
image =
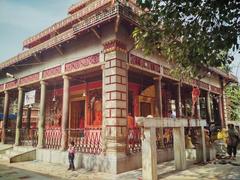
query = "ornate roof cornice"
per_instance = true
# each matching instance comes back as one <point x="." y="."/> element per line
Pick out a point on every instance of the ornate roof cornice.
<point x="60" y="26"/>
<point x="94" y="20"/>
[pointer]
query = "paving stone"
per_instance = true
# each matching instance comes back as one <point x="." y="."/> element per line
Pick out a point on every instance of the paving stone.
<point x="41" y="170"/>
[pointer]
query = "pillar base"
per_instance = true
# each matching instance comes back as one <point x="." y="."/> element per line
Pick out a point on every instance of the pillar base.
<point x="40" y="146"/>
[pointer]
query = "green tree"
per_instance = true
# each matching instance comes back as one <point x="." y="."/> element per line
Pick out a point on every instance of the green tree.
<point x="194" y="34"/>
<point x="233" y="94"/>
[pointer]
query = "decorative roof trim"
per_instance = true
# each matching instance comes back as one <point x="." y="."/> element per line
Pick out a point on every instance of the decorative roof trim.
<point x="83" y="25"/>
<point x="72" y="19"/>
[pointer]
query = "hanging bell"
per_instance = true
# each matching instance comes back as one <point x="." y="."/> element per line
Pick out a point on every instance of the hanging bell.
<point x="54" y="98"/>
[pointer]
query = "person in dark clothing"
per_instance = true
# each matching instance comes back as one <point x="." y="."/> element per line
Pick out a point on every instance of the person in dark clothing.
<point x="232" y="141"/>
<point x="71" y="155"/>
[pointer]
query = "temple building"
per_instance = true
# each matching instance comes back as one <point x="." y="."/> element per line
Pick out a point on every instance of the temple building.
<point x="90" y="83"/>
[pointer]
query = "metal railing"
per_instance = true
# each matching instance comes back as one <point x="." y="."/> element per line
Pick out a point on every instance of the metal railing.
<point x="53" y="137"/>
<point x="28" y="137"/>
<point x="87" y="140"/>
<point x="164" y="138"/>
<point x="134" y="140"/>
<point x="10" y="135"/>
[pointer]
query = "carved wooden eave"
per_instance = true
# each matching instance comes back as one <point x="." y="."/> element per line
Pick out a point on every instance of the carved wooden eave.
<point x="59" y="50"/>
<point x="117" y="22"/>
<point x="77" y="6"/>
<point x="63" y="37"/>
<point x="37" y="57"/>
<point x="97" y="34"/>
<point x="16" y="68"/>
<point x="227" y="76"/>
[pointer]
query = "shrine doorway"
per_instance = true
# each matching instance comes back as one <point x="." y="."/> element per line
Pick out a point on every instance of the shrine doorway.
<point x="141" y="98"/>
<point x="77" y="114"/>
<point x="145" y="109"/>
<point x="216" y="111"/>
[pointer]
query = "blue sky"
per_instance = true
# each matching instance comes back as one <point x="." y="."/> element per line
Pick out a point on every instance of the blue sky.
<point x="20" y="19"/>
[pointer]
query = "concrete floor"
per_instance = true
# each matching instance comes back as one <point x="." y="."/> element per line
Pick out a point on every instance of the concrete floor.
<point x="36" y="169"/>
<point x="11" y="173"/>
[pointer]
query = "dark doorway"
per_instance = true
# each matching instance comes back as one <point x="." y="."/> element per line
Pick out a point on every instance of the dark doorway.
<point x="77" y="114"/>
<point x="216" y="112"/>
<point x="145" y="109"/>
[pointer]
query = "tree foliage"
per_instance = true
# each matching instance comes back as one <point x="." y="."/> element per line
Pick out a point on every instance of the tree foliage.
<point x="192" y="34"/>
<point x="233" y="94"/>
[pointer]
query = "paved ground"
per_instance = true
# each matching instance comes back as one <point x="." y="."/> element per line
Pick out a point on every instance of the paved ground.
<point x="10" y="173"/>
<point x="35" y="170"/>
<point x="220" y="169"/>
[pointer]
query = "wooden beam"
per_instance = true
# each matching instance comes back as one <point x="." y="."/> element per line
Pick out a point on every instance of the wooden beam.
<point x="59" y="50"/>
<point x="57" y="32"/>
<point x="2" y="73"/>
<point x="117" y="24"/>
<point x="79" y="19"/>
<point x="169" y="122"/>
<point x="16" y="68"/>
<point x="36" y="57"/>
<point x="96" y="33"/>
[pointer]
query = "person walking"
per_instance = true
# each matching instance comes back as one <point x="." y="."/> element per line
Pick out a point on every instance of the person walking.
<point x="232" y="141"/>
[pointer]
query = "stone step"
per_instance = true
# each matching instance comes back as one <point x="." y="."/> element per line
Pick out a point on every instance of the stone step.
<point x="17" y="150"/>
<point x="19" y="154"/>
<point x="13" y="152"/>
<point x="5" y="157"/>
<point x="5" y="146"/>
<point x="23" y="148"/>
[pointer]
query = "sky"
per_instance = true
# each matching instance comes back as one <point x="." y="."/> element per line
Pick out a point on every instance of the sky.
<point x="20" y="19"/>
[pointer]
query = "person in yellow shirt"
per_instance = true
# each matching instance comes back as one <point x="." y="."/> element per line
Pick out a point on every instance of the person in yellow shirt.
<point x="220" y="142"/>
<point x="222" y="135"/>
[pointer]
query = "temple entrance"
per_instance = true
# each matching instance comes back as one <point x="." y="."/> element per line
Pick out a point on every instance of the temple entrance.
<point x="147" y="101"/>
<point x="77" y="115"/>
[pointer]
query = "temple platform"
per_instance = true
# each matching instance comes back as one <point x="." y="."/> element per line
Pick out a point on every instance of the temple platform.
<point x="100" y="163"/>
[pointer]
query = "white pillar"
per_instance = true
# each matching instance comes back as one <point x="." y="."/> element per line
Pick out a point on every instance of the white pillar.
<point x="220" y="106"/>
<point x="159" y="105"/>
<point x="19" y="116"/>
<point x="41" y="122"/>
<point x="149" y="157"/>
<point x="179" y="148"/>
<point x="5" y="116"/>
<point x="158" y="88"/>
<point x="179" y="99"/>
<point x="65" y="111"/>
<point x="203" y="144"/>
<point x="209" y="106"/>
<point x="198" y="108"/>
<point x="201" y="149"/>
